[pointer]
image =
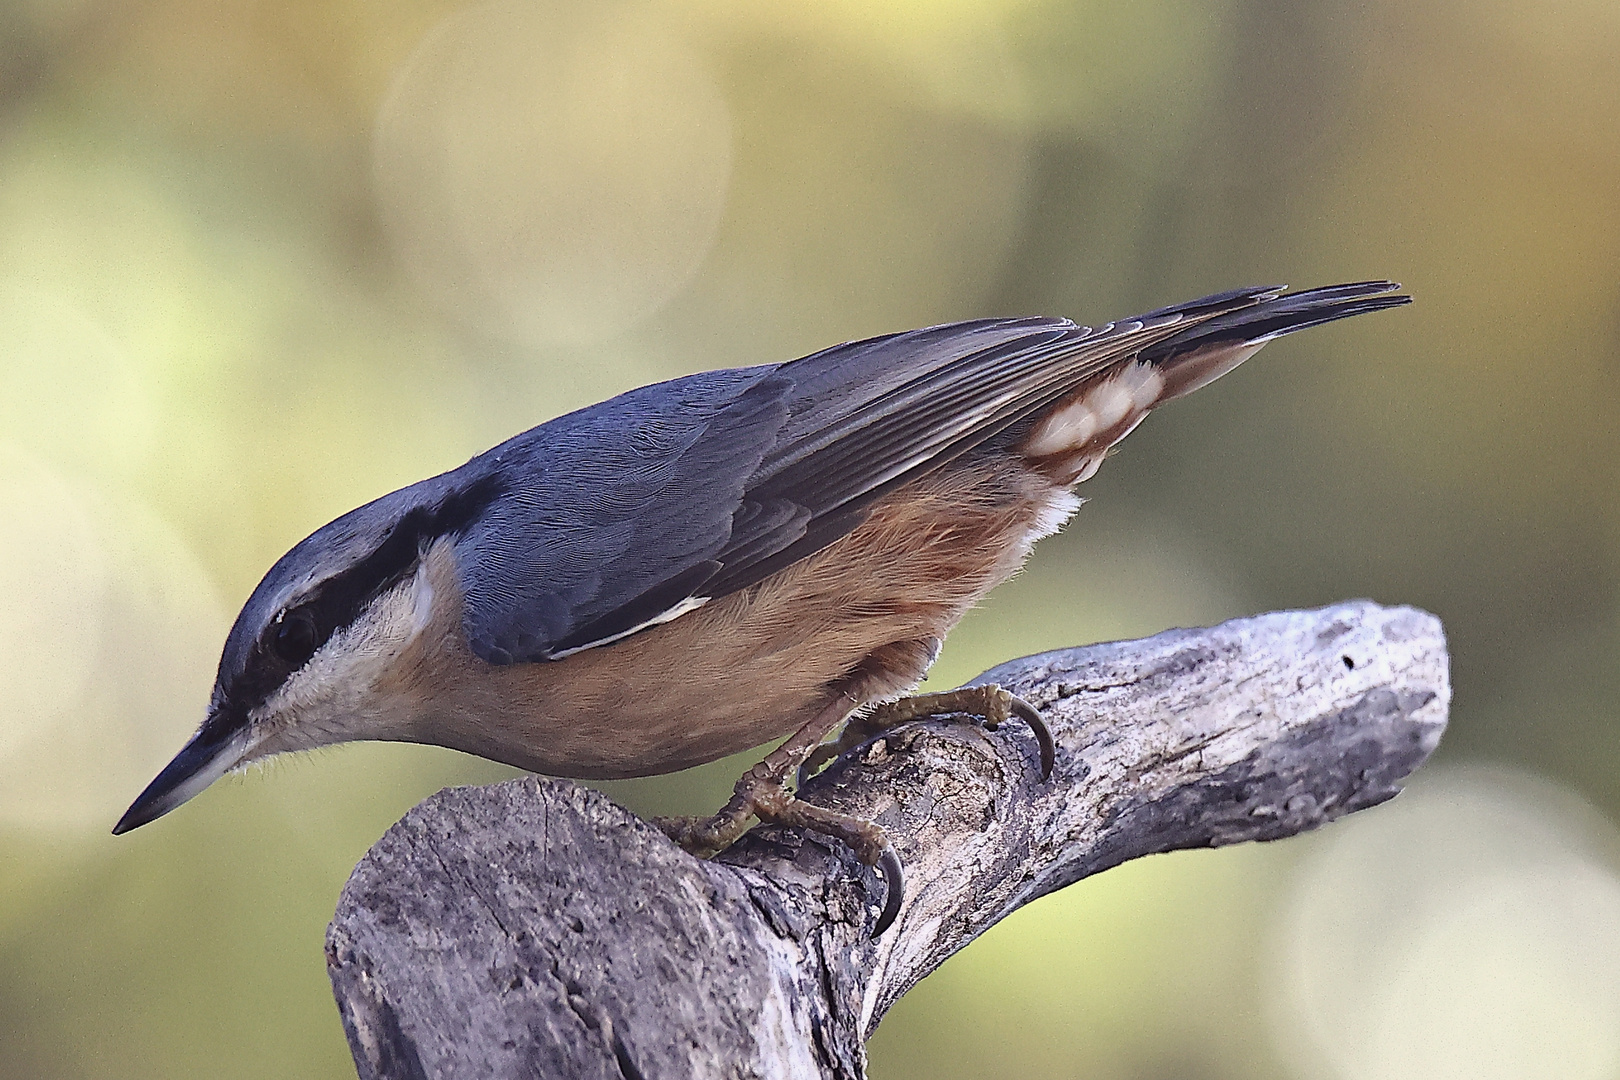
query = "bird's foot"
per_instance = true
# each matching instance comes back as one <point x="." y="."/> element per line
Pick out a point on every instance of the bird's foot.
<point x="994" y="703"/>
<point x="762" y="793"/>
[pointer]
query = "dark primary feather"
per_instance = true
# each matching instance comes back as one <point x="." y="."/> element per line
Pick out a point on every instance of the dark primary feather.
<point x="704" y="485"/>
<point x="1284" y="314"/>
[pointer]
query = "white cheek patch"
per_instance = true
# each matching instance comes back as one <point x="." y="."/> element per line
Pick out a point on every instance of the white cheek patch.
<point x="334" y="672"/>
<point x="336" y="683"/>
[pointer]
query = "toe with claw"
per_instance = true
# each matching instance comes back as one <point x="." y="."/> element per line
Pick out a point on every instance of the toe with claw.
<point x="994" y="703"/>
<point x="761" y="793"/>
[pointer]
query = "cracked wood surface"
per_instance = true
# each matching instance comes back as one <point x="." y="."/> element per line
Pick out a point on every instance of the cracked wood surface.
<point x="535" y="929"/>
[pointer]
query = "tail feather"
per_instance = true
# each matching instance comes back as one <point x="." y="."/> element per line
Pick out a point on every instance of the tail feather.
<point x="1276" y="313"/>
<point x="1069" y="438"/>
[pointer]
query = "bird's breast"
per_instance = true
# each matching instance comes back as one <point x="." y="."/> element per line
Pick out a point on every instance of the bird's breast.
<point x="745" y="668"/>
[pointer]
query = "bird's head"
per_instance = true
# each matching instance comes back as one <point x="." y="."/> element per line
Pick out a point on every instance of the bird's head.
<point x="325" y="626"/>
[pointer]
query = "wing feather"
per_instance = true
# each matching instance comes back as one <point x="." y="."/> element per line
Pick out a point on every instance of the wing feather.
<point x="640" y="508"/>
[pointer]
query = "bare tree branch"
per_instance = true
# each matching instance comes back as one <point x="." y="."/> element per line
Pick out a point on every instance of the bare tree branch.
<point x="533" y="928"/>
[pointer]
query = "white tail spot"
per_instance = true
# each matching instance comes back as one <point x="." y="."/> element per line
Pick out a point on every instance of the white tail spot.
<point x="1069" y="426"/>
<point x="1124" y="396"/>
<point x="1111" y="402"/>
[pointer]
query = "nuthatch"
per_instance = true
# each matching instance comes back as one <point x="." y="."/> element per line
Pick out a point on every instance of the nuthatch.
<point x="699" y="566"/>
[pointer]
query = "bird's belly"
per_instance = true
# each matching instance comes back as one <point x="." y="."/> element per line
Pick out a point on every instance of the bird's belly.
<point x="643" y="726"/>
<point x="758" y="664"/>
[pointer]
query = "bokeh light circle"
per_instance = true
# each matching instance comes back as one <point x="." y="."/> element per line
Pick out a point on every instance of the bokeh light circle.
<point x="551" y="172"/>
<point x="68" y="391"/>
<point x="1470" y="930"/>
<point x="108" y="641"/>
<point x="54" y="577"/>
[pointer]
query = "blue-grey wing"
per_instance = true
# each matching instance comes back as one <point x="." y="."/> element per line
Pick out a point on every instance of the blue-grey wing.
<point x="629" y="512"/>
<point x="610" y="517"/>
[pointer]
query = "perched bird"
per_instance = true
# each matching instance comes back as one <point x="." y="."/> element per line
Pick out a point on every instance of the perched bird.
<point x="702" y="565"/>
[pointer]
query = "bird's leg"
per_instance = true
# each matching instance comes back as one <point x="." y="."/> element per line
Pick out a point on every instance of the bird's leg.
<point x="994" y="703"/>
<point x="762" y="792"/>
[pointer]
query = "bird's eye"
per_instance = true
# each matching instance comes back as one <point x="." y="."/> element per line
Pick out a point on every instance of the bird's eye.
<point x="295" y="638"/>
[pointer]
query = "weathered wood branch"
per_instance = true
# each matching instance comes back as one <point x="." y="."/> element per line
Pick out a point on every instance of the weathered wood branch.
<point x="533" y="928"/>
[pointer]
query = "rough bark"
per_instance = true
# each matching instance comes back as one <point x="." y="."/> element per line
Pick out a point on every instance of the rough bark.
<point x="534" y="928"/>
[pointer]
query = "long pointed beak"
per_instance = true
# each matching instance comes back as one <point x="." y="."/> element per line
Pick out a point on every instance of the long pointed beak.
<point x="208" y="756"/>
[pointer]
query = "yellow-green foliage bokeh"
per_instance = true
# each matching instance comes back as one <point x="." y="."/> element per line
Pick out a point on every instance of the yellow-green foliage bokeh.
<point x="261" y="262"/>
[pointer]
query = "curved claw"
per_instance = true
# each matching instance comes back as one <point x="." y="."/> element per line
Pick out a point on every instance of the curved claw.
<point x="816" y="759"/>
<point x="1043" y="734"/>
<point x="894" y="880"/>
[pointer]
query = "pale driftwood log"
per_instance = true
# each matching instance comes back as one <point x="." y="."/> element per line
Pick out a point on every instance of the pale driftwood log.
<point x="535" y="929"/>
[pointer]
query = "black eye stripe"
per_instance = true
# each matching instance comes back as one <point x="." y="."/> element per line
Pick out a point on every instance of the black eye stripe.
<point x="336" y="602"/>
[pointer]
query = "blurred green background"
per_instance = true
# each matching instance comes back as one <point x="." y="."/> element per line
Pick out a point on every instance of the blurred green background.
<point x="261" y="262"/>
